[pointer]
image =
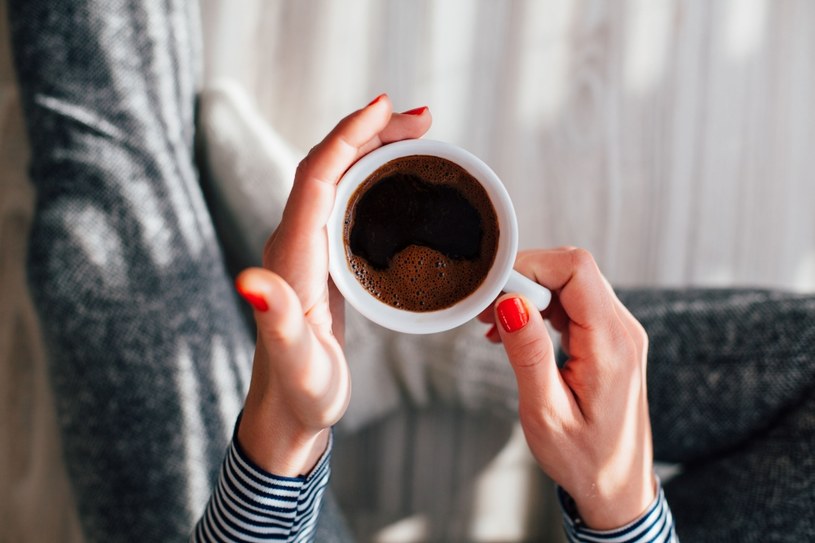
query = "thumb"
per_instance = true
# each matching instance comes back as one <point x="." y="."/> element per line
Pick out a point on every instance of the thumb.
<point x="309" y="373"/>
<point x="281" y="325"/>
<point x="531" y="354"/>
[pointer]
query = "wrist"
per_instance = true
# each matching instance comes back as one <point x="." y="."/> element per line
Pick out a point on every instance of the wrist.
<point x="607" y="511"/>
<point x="276" y="441"/>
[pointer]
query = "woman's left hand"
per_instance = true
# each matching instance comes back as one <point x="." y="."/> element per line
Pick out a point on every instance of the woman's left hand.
<point x="300" y="383"/>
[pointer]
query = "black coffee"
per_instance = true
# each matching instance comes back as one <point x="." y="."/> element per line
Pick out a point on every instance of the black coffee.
<point x="420" y="233"/>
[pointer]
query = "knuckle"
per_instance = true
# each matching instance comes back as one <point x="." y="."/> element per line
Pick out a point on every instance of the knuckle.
<point x="523" y="256"/>
<point x="525" y="261"/>
<point x="640" y="336"/>
<point x="582" y="259"/>
<point x="528" y="353"/>
<point x="624" y="347"/>
<point x="284" y="334"/>
<point x="629" y="354"/>
<point x="526" y="254"/>
<point x="302" y="168"/>
<point x="283" y="337"/>
<point x="632" y="358"/>
<point x="532" y="421"/>
<point x="303" y="165"/>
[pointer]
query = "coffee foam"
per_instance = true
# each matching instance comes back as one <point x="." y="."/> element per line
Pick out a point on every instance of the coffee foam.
<point x="420" y="278"/>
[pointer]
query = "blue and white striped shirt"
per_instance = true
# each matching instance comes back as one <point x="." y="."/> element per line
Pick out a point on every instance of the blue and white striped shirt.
<point x="654" y="525"/>
<point x="252" y="505"/>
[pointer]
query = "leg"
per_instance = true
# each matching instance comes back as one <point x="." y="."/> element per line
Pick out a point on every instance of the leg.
<point x="149" y="356"/>
<point x="731" y="381"/>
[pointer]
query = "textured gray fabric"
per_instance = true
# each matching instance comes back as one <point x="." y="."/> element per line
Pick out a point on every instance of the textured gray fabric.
<point x="731" y="387"/>
<point x="148" y="354"/>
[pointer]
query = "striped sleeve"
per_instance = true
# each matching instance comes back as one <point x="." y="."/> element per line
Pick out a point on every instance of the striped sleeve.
<point x="250" y="504"/>
<point x="655" y="525"/>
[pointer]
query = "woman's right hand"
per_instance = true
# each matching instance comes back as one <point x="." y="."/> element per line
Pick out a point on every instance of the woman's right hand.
<point x="587" y="424"/>
<point x="300" y="383"/>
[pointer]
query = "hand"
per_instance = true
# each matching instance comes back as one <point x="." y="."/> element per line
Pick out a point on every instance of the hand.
<point x="586" y="424"/>
<point x="300" y="383"/>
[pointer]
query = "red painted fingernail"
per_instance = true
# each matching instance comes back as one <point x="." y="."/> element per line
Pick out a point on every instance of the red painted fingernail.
<point x="491" y="331"/>
<point x="378" y="98"/>
<point x="512" y="314"/>
<point x="255" y="300"/>
<point x="418" y="111"/>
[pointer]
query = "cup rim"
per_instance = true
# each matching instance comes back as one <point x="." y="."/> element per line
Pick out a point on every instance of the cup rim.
<point x="425" y="322"/>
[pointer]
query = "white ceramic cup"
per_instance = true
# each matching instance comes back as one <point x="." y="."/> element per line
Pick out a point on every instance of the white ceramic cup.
<point x="501" y="276"/>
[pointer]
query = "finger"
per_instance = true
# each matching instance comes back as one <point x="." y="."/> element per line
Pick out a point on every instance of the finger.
<point x="309" y="366"/>
<point x="635" y="329"/>
<point x="337" y="309"/>
<point x="580" y="287"/>
<point x="531" y="354"/>
<point x="312" y="195"/>
<point x="493" y="335"/>
<point x="622" y="311"/>
<point x="555" y="314"/>
<point x="278" y="313"/>
<point x="401" y="126"/>
<point x="488" y="315"/>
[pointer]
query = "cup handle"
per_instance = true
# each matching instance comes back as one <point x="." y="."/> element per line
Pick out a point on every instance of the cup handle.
<point x="540" y="296"/>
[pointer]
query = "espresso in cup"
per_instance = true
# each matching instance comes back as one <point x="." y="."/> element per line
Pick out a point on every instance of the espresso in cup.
<point x="415" y="282"/>
<point x="420" y="233"/>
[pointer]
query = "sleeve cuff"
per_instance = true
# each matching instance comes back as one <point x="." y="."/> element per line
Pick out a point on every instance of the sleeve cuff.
<point x="251" y="504"/>
<point x="655" y="524"/>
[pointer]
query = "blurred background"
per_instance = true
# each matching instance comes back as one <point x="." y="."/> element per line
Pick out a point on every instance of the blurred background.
<point x="673" y="139"/>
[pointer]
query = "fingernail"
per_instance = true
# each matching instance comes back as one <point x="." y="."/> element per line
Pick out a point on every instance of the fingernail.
<point x="417" y="111"/>
<point x="255" y="300"/>
<point x="492" y="334"/>
<point x="512" y="314"/>
<point x="378" y="98"/>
